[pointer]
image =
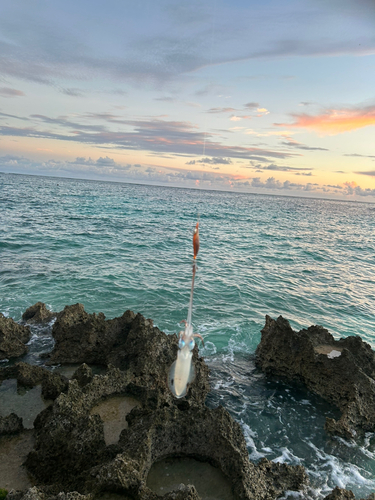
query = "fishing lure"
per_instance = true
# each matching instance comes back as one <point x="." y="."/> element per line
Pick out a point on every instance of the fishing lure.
<point x="182" y="370"/>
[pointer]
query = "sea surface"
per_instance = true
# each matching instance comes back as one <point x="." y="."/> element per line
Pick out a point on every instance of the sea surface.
<point x="117" y="246"/>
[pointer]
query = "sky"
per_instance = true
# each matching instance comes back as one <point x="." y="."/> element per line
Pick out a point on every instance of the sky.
<point x="274" y="97"/>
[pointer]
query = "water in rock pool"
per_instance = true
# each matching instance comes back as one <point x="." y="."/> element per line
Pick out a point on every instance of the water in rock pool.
<point x="114" y="246"/>
<point x="210" y="483"/>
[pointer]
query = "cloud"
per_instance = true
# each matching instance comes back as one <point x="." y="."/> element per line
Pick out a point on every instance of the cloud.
<point x="356" y="155"/>
<point x="282" y="133"/>
<point x="262" y="111"/>
<point x="351" y="188"/>
<point x="8" y="92"/>
<point x="165" y="99"/>
<point x="107" y="168"/>
<point x="73" y="92"/>
<point x="154" y="135"/>
<point x="335" y="121"/>
<point x="211" y="161"/>
<point x="370" y="173"/>
<point x="221" y="110"/>
<point x="298" y="145"/>
<point x="251" y="105"/>
<point x="166" y="41"/>
<point x="280" y="168"/>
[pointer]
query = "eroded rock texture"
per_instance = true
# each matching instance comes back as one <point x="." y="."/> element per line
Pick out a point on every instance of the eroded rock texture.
<point x="130" y="343"/>
<point x="38" y="313"/>
<point x="11" y="424"/>
<point x="341" y="371"/>
<point x="70" y="453"/>
<point x="13" y="338"/>
<point x="30" y="376"/>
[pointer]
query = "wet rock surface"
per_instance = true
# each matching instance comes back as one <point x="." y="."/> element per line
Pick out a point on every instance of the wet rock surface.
<point x="30" y="376"/>
<point x="13" y="338"/>
<point x="38" y="313"/>
<point x="341" y="494"/>
<point x="130" y="343"/>
<point x="71" y="460"/>
<point x="11" y="424"/>
<point x="341" y="371"/>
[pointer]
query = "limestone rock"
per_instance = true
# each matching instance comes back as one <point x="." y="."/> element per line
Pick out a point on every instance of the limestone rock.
<point x="30" y="376"/>
<point x="38" y="313"/>
<point x="130" y="343"/>
<point x="13" y="338"/>
<point x="341" y="371"/>
<point x="83" y="375"/>
<point x="12" y="424"/>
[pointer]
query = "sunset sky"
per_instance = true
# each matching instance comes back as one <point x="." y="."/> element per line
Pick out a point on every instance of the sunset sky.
<point x="261" y="96"/>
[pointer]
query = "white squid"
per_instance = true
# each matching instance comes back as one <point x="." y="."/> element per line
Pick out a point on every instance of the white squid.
<point x="182" y="370"/>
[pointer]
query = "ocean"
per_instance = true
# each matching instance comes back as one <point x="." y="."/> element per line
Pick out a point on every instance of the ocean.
<point x="117" y="246"/>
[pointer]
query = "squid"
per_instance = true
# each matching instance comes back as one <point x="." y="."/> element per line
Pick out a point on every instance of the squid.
<point x="182" y="371"/>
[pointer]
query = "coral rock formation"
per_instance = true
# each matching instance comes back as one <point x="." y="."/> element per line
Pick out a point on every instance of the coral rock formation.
<point x="341" y="371"/>
<point x="13" y="338"/>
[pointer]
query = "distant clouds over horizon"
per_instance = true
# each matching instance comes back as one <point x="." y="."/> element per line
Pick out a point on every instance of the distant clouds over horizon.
<point x="217" y="94"/>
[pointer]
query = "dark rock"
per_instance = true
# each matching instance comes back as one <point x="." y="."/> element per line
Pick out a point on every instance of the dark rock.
<point x="38" y="313"/>
<point x="70" y="448"/>
<point x="13" y="338"/>
<point x="12" y="424"/>
<point x="68" y="440"/>
<point x="201" y="433"/>
<point x="41" y="493"/>
<point x="340" y="494"/>
<point x="130" y="343"/>
<point x="83" y="375"/>
<point x="70" y="458"/>
<point x="341" y="371"/>
<point x="30" y="376"/>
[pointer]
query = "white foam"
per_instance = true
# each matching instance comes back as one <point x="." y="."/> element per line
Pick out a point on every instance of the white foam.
<point x="209" y="349"/>
<point x="287" y="457"/>
<point x="33" y="338"/>
<point x="291" y="494"/>
<point x="249" y="435"/>
<point x="339" y="473"/>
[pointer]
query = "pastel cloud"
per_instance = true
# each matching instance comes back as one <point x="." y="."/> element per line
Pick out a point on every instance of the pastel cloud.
<point x="107" y="168"/>
<point x="370" y="173"/>
<point x="152" y="135"/>
<point x="8" y="92"/>
<point x="334" y="121"/>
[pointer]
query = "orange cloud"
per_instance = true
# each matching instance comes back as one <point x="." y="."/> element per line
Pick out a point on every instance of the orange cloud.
<point x="335" y="121"/>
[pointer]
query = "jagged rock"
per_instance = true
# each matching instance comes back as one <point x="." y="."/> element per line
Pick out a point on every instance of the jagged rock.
<point x="340" y="494"/>
<point x="130" y="343"/>
<point x="183" y="492"/>
<point x="68" y="440"/>
<point x="12" y="424"/>
<point x="70" y="450"/>
<point x="13" y="338"/>
<point x="83" y="375"/>
<point x="30" y="376"/>
<point x="38" y="313"/>
<point x="36" y="493"/>
<point x="341" y="371"/>
<point x="202" y="433"/>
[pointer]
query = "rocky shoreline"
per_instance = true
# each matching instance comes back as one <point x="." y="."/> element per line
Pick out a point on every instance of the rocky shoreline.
<point x="70" y="458"/>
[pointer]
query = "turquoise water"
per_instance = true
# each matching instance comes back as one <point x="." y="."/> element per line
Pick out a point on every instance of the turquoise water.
<point x="116" y="246"/>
